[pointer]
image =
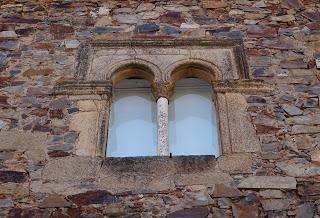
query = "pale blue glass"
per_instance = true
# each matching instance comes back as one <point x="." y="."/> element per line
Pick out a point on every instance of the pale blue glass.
<point x="132" y="128"/>
<point x="192" y="120"/>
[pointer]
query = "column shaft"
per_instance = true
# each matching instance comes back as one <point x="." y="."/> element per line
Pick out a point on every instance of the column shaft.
<point x="162" y="118"/>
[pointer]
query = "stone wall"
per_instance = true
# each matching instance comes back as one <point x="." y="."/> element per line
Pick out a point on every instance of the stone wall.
<point x="41" y="175"/>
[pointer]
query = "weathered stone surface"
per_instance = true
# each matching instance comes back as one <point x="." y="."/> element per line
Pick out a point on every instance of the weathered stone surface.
<point x="145" y="7"/>
<point x="87" y="143"/>
<point x="54" y="200"/>
<point x="19" y="140"/>
<point x="235" y="162"/>
<point x="190" y="213"/>
<point x="38" y="72"/>
<point x="214" y="4"/>
<point x="26" y="212"/>
<point x="221" y="190"/>
<point x="299" y="129"/>
<point x="261" y="31"/>
<point x="147" y="28"/>
<point x="271" y="194"/>
<point x="73" y="43"/>
<point x="306" y="211"/>
<point x="13" y="189"/>
<point x="313" y="119"/>
<point x="299" y="169"/>
<point x="292" y="110"/>
<point x="315" y="157"/>
<point x="309" y="189"/>
<point x="8" y="34"/>
<point x="13" y="176"/>
<point x="275" y="204"/>
<point x="3" y="59"/>
<point x="7" y="202"/>
<point x="245" y="211"/>
<point x="67" y="169"/>
<point x="275" y="182"/>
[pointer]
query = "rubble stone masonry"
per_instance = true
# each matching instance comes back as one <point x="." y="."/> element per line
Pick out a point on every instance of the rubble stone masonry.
<point x="43" y="173"/>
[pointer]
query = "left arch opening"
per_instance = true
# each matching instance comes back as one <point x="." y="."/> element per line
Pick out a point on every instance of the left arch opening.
<point x="132" y="125"/>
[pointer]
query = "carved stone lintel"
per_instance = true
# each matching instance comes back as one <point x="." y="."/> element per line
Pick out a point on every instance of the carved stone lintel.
<point x="103" y="88"/>
<point x="242" y="86"/>
<point x="162" y="89"/>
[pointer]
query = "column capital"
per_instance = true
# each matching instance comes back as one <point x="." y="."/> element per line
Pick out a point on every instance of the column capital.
<point x="162" y="89"/>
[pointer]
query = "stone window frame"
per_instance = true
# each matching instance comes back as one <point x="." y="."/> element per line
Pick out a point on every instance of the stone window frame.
<point x="227" y="93"/>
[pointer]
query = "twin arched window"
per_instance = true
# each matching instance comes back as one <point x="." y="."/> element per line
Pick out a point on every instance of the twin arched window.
<point x="192" y="120"/>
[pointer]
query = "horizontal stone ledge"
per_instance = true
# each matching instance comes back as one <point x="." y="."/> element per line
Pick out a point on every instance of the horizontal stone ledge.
<point x="168" y="43"/>
<point x="243" y="86"/>
<point x="268" y="182"/>
<point x="83" y="88"/>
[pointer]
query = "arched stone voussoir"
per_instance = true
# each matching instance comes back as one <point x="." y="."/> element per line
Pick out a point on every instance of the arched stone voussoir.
<point x="134" y="68"/>
<point x="193" y="67"/>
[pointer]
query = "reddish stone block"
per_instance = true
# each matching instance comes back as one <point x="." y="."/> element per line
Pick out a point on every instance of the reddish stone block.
<point x="261" y="31"/>
<point x="172" y="18"/>
<point x="40" y="112"/>
<point x="93" y="197"/>
<point x="58" y="154"/>
<point x="39" y="72"/>
<point x="56" y="114"/>
<point x="61" y="31"/>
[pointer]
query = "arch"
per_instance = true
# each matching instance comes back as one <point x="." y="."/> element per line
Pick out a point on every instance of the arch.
<point x="193" y="67"/>
<point x="134" y="68"/>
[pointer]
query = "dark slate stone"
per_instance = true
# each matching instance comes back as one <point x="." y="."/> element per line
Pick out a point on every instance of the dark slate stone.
<point x="93" y="197"/>
<point x="24" y="31"/>
<point x="26" y="212"/>
<point x="71" y="137"/>
<point x="227" y="34"/>
<point x="107" y="29"/>
<point x="306" y="211"/>
<point x="199" y="212"/>
<point x="60" y="103"/>
<point x="311" y="89"/>
<point x="249" y="199"/>
<point x="9" y="45"/>
<point x="21" y="20"/>
<point x="256" y="99"/>
<point x="13" y="176"/>
<point x="316" y="55"/>
<point x="285" y="31"/>
<point x="203" y="20"/>
<point x="73" y="110"/>
<point x="147" y="28"/>
<point x="61" y="147"/>
<point x="287" y="98"/>
<point x="14" y="72"/>
<point x="170" y="30"/>
<point x="3" y="59"/>
<point x="261" y="72"/>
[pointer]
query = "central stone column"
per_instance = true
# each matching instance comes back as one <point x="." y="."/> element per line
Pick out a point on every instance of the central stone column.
<point x="162" y="91"/>
<point x="163" y="131"/>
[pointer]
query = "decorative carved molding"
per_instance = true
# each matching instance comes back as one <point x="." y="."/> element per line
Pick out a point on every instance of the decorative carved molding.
<point x="83" y="88"/>
<point x="242" y="86"/>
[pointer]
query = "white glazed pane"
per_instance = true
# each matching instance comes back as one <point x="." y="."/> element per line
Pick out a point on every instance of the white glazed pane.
<point x="192" y="121"/>
<point x="132" y="130"/>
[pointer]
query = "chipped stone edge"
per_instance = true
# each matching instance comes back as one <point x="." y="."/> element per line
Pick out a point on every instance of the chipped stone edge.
<point x="243" y="86"/>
